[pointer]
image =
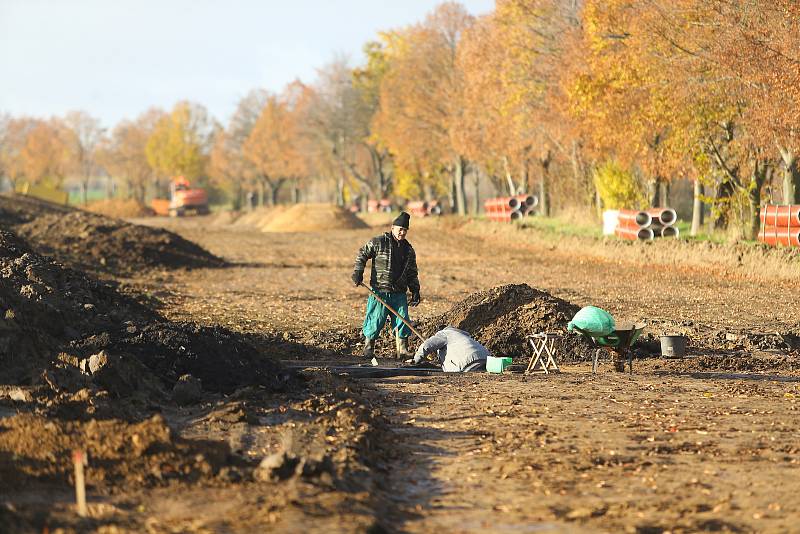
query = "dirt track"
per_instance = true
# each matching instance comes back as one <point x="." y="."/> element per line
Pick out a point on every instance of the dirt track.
<point x="660" y="450"/>
<point x="680" y="446"/>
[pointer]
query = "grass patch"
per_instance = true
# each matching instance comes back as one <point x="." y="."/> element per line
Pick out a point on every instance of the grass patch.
<point x="558" y="226"/>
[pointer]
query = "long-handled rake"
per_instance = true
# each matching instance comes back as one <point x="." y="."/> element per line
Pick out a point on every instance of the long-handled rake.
<point x="374" y="294"/>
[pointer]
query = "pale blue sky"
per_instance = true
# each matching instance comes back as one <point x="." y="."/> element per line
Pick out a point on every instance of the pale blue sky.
<point x="116" y="58"/>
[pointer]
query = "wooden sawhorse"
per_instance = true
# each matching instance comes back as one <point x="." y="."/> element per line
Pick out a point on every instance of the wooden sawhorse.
<point x="543" y="359"/>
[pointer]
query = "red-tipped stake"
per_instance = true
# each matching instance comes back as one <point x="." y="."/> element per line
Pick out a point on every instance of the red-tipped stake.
<point x="79" y="458"/>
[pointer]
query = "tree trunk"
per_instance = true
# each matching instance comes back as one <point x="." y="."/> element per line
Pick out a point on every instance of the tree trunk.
<point x="295" y="192"/>
<point x="697" y="209"/>
<point x="512" y="189"/>
<point x="579" y="173"/>
<point x="461" y="196"/>
<point x="544" y="188"/>
<point x="427" y="192"/>
<point x="274" y="188"/>
<point x="476" y="185"/>
<point x="791" y="177"/>
<point x="451" y="193"/>
<point x="724" y="192"/>
<point x="340" y="192"/>
<point x="85" y="191"/>
<point x="663" y="193"/>
<point x="598" y="203"/>
<point x="761" y="171"/>
<point x="237" y="196"/>
<point x="261" y="191"/>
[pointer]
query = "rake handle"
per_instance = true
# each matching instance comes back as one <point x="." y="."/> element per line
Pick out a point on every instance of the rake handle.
<point x="374" y="294"/>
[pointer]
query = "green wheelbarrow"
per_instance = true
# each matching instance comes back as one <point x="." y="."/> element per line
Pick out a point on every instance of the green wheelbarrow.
<point x="618" y="341"/>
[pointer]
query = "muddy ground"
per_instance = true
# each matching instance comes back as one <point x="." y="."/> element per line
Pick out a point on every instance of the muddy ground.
<point x="704" y="443"/>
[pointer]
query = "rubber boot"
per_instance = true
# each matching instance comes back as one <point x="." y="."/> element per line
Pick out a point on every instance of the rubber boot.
<point x="401" y="344"/>
<point x="369" y="348"/>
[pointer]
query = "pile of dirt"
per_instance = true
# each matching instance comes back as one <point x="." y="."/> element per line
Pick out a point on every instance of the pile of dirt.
<point x="222" y="360"/>
<point x="96" y="243"/>
<point x="120" y="208"/>
<point x="314" y="218"/>
<point x="501" y="317"/>
<point x="19" y="209"/>
<point x="45" y="305"/>
<point x="121" y="455"/>
<point x="46" y="310"/>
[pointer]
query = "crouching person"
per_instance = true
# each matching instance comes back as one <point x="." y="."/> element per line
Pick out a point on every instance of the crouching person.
<point x="456" y="350"/>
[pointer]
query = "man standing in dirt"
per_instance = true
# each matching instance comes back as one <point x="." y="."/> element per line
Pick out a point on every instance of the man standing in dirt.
<point x="394" y="272"/>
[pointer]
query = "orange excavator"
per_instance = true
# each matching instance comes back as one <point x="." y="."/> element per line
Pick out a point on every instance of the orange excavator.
<point x="183" y="199"/>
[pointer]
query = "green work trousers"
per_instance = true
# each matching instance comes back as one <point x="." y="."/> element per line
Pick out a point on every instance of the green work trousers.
<point x="377" y="313"/>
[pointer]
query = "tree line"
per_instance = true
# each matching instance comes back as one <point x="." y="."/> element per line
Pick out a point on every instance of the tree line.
<point x="588" y="103"/>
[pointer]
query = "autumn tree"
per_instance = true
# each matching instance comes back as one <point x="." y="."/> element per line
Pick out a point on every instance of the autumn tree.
<point x="13" y="137"/>
<point x="228" y="167"/>
<point x="84" y="134"/>
<point x="421" y="98"/>
<point x="45" y="153"/>
<point x="274" y="146"/>
<point x="338" y="118"/>
<point x="180" y="143"/>
<point x="734" y="62"/>
<point x="124" y="153"/>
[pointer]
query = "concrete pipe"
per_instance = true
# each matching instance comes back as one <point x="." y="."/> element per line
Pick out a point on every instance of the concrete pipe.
<point x="516" y="214"/>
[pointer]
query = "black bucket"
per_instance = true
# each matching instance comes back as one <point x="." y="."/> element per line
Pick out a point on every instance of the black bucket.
<point x="673" y="346"/>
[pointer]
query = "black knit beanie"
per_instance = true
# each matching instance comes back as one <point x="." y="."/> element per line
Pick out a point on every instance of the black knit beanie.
<point x="402" y="220"/>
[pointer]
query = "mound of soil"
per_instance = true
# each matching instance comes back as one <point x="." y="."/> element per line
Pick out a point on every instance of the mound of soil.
<point x="314" y="218"/>
<point x="501" y="317"/>
<point x="222" y="360"/>
<point x="48" y="309"/>
<point x="45" y="305"/>
<point x="18" y="209"/>
<point x="97" y="243"/>
<point x="121" y="455"/>
<point x="120" y="208"/>
<point x="259" y="217"/>
<point x="269" y="215"/>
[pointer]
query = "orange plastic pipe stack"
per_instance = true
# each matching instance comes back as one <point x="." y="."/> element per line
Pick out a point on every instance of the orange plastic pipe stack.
<point x="780" y="225"/>
<point x="647" y="224"/>
<point x="506" y="209"/>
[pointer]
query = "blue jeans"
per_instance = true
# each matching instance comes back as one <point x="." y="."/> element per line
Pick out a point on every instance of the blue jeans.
<point x="377" y="313"/>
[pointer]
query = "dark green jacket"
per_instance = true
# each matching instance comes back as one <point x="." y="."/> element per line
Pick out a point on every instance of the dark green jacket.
<point x="379" y="250"/>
